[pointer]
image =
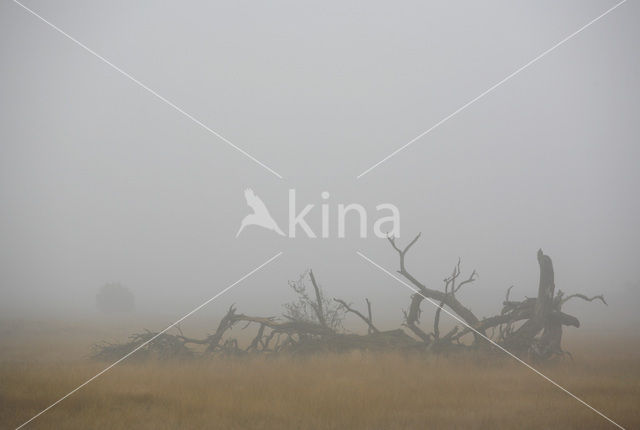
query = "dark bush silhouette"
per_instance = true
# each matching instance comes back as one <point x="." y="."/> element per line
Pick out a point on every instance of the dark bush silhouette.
<point x="115" y="298"/>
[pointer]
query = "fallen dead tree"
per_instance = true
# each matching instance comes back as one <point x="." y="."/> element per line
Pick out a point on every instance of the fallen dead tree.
<point x="540" y="319"/>
<point x="531" y="328"/>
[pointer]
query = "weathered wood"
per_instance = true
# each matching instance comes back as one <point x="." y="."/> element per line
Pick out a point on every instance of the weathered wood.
<point x="371" y="327"/>
<point x="446" y="297"/>
<point x="318" y="307"/>
<point x="538" y="338"/>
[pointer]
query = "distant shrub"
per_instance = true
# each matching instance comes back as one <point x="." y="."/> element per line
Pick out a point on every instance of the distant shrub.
<point x="115" y="298"/>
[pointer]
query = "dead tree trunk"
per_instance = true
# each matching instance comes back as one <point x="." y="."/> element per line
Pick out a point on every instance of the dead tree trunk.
<point x="523" y="338"/>
<point x="446" y="297"/>
<point x="313" y="325"/>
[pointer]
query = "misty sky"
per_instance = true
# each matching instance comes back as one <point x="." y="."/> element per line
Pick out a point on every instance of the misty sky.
<point x="100" y="181"/>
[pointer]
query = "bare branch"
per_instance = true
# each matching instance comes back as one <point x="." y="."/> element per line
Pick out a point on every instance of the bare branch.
<point x="436" y="322"/>
<point x="362" y="317"/>
<point x="403" y="252"/>
<point x="256" y="340"/>
<point x="370" y="316"/>
<point x="435" y="295"/>
<point x="473" y="277"/>
<point x="318" y="307"/>
<point x="583" y="297"/>
<point x="506" y="296"/>
<point x="412" y="318"/>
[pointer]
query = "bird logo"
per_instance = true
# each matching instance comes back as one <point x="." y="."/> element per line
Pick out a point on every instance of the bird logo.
<point x="260" y="216"/>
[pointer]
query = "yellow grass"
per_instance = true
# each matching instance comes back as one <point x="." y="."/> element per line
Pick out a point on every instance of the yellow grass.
<point x="354" y="391"/>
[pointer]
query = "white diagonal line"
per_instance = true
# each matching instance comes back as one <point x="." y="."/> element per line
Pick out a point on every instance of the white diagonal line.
<point x="490" y="89"/>
<point x="168" y="102"/>
<point x="150" y="340"/>
<point x="491" y="341"/>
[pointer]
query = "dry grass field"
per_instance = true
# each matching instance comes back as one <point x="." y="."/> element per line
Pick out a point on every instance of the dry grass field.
<point x="354" y="391"/>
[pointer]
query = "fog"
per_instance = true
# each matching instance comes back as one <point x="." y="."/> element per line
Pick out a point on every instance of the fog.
<point x="102" y="182"/>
